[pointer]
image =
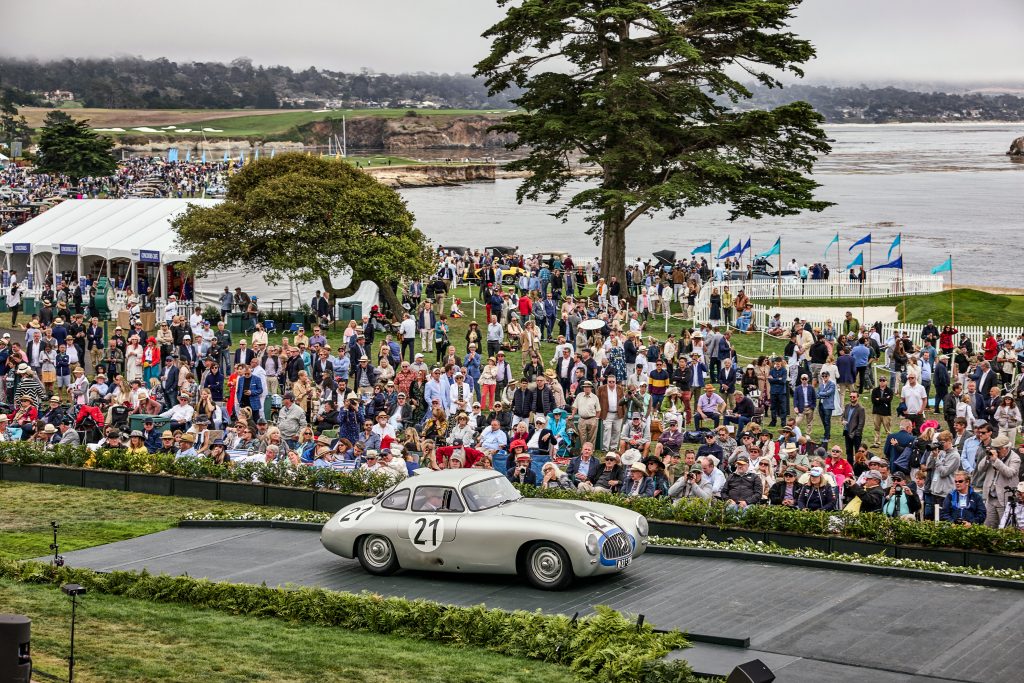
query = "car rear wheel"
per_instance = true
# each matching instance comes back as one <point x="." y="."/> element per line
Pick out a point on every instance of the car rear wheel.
<point x="377" y="555"/>
<point x="548" y="566"/>
<point x="508" y="280"/>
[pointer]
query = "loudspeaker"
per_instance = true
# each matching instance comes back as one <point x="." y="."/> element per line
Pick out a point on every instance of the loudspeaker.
<point x="15" y="656"/>
<point x="753" y="671"/>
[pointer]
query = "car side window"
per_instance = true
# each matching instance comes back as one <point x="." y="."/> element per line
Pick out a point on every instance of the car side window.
<point x="397" y="500"/>
<point x="436" y="499"/>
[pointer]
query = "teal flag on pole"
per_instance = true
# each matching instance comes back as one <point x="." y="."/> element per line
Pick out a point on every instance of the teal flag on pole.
<point x="895" y="243"/>
<point x="835" y="241"/>
<point x="774" y="251"/>
<point x="944" y="267"/>
<point x="722" y="248"/>
<point x="859" y="261"/>
<point x="702" y="249"/>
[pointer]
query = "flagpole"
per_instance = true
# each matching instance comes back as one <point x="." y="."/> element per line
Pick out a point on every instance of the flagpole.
<point x="952" y="304"/>
<point x="903" y="282"/>
<point x="839" y="256"/>
<point x="779" y="273"/>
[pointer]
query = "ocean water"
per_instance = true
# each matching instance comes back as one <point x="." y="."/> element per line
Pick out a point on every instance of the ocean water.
<point x="947" y="188"/>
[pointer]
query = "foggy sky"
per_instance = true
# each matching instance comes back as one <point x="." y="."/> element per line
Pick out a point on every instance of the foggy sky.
<point x="857" y="40"/>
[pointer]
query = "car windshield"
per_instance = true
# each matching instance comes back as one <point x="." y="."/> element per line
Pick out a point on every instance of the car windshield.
<point x="489" y="493"/>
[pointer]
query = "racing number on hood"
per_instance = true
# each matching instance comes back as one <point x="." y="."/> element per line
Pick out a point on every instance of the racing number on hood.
<point x="352" y="517"/>
<point x="426" y="533"/>
<point x="597" y="522"/>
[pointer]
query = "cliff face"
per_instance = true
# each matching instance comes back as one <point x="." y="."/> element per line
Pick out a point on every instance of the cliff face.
<point x="432" y="175"/>
<point x="420" y="132"/>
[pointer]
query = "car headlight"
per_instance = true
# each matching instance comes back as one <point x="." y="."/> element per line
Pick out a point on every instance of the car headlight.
<point x="641" y="526"/>
<point x="593" y="546"/>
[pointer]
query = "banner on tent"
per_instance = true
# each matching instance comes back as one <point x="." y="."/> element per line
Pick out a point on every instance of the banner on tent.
<point x="21" y="248"/>
<point x="149" y="256"/>
<point x="69" y="250"/>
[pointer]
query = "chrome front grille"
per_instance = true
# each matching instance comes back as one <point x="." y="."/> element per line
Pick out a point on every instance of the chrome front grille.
<point x="617" y="546"/>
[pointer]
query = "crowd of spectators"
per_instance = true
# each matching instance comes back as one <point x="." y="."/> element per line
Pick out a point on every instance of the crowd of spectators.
<point x="21" y="187"/>
<point x="555" y="390"/>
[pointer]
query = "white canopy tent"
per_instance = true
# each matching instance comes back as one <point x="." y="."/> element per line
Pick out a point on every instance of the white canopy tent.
<point x="139" y="232"/>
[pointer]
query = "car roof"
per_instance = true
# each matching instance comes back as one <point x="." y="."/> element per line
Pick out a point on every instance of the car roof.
<point x="457" y="477"/>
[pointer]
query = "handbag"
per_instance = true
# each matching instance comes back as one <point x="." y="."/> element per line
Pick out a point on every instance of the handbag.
<point x="853" y="507"/>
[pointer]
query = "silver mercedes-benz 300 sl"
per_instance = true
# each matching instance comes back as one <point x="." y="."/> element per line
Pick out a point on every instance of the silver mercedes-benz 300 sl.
<point x="471" y="520"/>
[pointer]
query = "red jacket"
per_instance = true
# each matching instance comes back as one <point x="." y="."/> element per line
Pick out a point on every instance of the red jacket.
<point x="991" y="348"/>
<point x="839" y="468"/>
<point x="472" y="455"/>
<point x="525" y="306"/>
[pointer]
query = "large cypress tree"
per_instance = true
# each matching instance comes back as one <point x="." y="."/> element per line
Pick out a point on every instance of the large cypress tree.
<point x="650" y="92"/>
<point x="70" y="147"/>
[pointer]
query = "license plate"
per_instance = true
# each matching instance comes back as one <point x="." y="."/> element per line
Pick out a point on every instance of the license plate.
<point x="623" y="563"/>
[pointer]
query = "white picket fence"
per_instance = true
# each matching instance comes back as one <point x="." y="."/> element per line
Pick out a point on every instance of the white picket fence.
<point x="838" y="288"/>
<point x="976" y="334"/>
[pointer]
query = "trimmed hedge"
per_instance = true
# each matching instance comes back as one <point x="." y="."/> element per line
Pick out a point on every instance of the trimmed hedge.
<point x="871" y="527"/>
<point x="359" y="481"/>
<point x="605" y="647"/>
<point x="874" y="528"/>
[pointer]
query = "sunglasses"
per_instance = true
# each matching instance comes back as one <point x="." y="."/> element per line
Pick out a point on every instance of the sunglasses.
<point x="959" y="481"/>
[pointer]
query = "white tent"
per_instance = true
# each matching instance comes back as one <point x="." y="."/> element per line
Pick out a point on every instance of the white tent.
<point x="98" y="232"/>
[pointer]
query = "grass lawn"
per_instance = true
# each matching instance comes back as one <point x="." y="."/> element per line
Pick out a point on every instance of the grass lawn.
<point x="122" y="639"/>
<point x="973" y="307"/>
<point x="88" y="517"/>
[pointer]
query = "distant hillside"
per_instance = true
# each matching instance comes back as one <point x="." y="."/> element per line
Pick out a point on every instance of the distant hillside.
<point x="892" y="105"/>
<point x="136" y="83"/>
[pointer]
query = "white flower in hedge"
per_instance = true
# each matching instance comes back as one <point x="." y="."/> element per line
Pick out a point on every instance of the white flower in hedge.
<point x="879" y="560"/>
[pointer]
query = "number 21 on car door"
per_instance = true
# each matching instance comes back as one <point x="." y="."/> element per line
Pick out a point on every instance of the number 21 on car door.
<point x="426" y="532"/>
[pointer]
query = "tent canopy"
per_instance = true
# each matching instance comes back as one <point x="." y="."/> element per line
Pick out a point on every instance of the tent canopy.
<point x="109" y="228"/>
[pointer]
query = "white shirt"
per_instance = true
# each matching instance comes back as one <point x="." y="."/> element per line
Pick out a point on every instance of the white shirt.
<point x="408" y="328"/>
<point x="180" y="413"/>
<point x="387" y="430"/>
<point x="464" y="394"/>
<point x="195" y="321"/>
<point x="170" y="310"/>
<point x="914" y="397"/>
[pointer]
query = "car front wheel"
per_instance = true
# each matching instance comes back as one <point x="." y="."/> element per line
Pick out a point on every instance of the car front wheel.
<point x="548" y="566"/>
<point x="377" y="555"/>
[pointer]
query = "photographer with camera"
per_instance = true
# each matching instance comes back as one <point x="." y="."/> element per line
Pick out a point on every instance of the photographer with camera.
<point x="1013" y="515"/>
<point x="694" y="485"/>
<point x="901" y="500"/>
<point x="997" y="476"/>
<point x="522" y="473"/>
<point x="963" y="505"/>
<point x="941" y="465"/>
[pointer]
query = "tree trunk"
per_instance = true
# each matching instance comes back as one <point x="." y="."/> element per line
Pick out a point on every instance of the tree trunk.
<point x="613" y="249"/>
<point x="390" y="299"/>
<point x="387" y="294"/>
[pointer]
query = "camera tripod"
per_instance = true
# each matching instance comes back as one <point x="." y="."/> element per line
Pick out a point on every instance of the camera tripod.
<point x="1012" y="518"/>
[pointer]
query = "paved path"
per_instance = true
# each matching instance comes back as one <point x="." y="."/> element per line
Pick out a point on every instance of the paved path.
<point x="807" y="624"/>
